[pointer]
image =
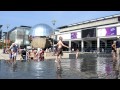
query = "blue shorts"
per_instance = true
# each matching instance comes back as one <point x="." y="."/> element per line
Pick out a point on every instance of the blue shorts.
<point x="10" y="56"/>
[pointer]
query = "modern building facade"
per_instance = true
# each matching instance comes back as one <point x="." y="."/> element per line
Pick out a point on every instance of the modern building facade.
<point x="91" y="35"/>
<point x="19" y="35"/>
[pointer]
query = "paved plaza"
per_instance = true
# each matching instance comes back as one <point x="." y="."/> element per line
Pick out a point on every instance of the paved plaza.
<point x="82" y="68"/>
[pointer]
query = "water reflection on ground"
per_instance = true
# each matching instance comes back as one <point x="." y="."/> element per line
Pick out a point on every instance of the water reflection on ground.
<point x="83" y="68"/>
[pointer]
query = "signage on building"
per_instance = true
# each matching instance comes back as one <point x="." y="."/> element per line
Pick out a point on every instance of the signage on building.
<point x="74" y="35"/>
<point x="68" y="36"/>
<point x="110" y="31"/>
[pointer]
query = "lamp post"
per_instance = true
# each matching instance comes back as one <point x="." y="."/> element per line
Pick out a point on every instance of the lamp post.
<point x="53" y="22"/>
<point x="7" y="35"/>
<point x="24" y="38"/>
<point x="1" y="41"/>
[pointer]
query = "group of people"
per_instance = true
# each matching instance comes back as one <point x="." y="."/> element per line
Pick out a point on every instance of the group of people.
<point x="25" y="54"/>
<point x="32" y="54"/>
<point x="13" y="51"/>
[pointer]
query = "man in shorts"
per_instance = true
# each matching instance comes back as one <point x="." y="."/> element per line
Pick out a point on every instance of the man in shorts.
<point x="59" y="51"/>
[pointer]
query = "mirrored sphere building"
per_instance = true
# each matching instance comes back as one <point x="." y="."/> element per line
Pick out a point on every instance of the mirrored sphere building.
<point x="40" y="36"/>
<point x="41" y="30"/>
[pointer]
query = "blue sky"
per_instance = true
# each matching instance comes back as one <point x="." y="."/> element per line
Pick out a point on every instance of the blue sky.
<point x="31" y="18"/>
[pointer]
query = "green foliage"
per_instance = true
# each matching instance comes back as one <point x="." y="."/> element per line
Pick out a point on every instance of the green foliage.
<point x="2" y="45"/>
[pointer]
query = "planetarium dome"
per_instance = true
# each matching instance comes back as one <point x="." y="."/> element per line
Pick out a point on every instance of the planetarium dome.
<point x="41" y="30"/>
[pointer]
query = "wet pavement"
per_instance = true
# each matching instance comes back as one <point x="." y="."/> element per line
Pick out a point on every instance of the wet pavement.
<point x="83" y="68"/>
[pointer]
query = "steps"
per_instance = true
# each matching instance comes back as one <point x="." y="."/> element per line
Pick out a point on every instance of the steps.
<point x="49" y="55"/>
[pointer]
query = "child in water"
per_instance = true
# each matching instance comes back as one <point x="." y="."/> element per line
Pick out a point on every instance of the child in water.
<point x="10" y="55"/>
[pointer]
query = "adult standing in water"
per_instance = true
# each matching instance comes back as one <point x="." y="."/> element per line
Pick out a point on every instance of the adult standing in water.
<point x="59" y="51"/>
<point x="14" y="50"/>
<point x="118" y="53"/>
<point x="114" y="54"/>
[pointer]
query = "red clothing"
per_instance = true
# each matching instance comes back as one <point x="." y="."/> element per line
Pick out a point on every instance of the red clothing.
<point x="42" y="55"/>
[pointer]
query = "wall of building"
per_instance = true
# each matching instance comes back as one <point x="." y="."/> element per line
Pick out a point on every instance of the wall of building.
<point x="103" y="31"/>
<point x="92" y="24"/>
<point x="95" y="38"/>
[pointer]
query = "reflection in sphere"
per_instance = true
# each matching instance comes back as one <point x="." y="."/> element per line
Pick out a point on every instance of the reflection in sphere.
<point x="39" y="34"/>
<point x="41" y="30"/>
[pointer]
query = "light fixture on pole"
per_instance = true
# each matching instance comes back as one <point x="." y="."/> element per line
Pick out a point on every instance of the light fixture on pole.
<point x="53" y="22"/>
<point x="7" y="34"/>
